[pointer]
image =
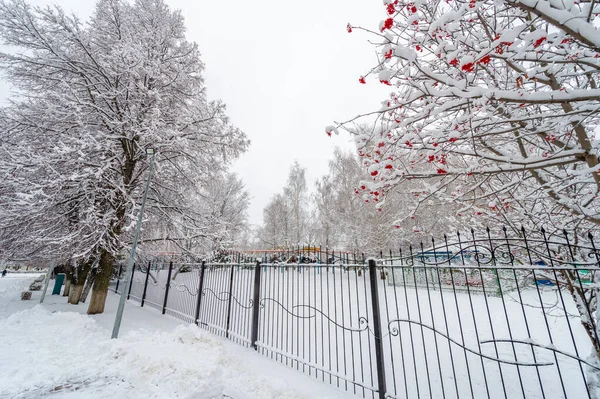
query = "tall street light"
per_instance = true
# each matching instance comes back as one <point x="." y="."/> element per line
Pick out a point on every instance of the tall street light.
<point x="115" y="333"/>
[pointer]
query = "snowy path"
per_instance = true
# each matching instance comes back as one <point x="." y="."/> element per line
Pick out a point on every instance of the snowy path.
<point x="55" y="350"/>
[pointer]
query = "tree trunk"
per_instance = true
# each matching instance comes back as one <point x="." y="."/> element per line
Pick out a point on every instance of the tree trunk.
<point x="88" y="285"/>
<point x="100" y="288"/>
<point x="68" y="279"/>
<point x="76" y="293"/>
<point x="67" y="285"/>
<point x="78" y="281"/>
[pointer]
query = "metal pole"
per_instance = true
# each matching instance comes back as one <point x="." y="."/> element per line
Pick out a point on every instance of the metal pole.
<point x="229" y="301"/>
<point x="119" y="316"/>
<point x="131" y="281"/>
<point x="377" y="329"/>
<point x="199" y="296"/>
<point x="146" y="284"/>
<point x="255" y="306"/>
<point x="167" y="286"/>
<point x="50" y="269"/>
<point x="118" y="278"/>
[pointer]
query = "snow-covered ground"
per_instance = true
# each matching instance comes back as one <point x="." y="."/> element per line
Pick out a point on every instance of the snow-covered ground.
<point x="418" y="362"/>
<point x="55" y="350"/>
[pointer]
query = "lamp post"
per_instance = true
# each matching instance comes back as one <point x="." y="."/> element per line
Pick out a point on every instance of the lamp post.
<point x="115" y="333"/>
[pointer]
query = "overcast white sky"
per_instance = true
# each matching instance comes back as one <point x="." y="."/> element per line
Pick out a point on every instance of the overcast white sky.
<point x="285" y="70"/>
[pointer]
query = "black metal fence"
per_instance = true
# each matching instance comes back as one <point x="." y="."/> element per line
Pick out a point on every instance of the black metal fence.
<point x="490" y="316"/>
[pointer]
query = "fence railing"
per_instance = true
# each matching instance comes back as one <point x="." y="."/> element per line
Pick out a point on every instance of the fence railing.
<point x="483" y="317"/>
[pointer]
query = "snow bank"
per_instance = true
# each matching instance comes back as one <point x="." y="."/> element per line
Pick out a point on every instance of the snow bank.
<point x="11" y="287"/>
<point x="70" y="355"/>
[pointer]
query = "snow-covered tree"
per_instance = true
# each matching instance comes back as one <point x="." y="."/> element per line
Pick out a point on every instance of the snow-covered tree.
<point x="217" y="220"/>
<point x="341" y="215"/>
<point x="229" y="204"/>
<point x="286" y="219"/>
<point x="325" y="226"/>
<point x="499" y="97"/>
<point x="348" y="219"/>
<point x="91" y="98"/>
<point x="275" y="231"/>
<point x="296" y="194"/>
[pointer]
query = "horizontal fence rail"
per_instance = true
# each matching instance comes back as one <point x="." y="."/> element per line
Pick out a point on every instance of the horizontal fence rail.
<point x="487" y="316"/>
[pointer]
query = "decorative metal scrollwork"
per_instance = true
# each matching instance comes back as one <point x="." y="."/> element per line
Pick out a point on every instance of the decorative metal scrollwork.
<point x="157" y="283"/>
<point x="183" y="287"/>
<point x="395" y="331"/>
<point x="548" y="348"/>
<point x="224" y="296"/>
<point x="362" y="321"/>
<point x="408" y="261"/>
<point x="595" y="256"/>
<point x="502" y="252"/>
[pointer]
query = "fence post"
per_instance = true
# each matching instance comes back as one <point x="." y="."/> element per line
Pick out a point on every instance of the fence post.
<point x="146" y="284"/>
<point x="167" y="286"/>
<point x="200" y="285"/>
<point x="377" y="329"/>
<point x="118" y="278"/>
<point x="131" y="281"/>
<point x="255" y="306"/>
<point x="229" y="302"/>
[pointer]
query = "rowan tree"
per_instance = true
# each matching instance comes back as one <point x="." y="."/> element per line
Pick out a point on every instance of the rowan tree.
<point x="498" y="97"/>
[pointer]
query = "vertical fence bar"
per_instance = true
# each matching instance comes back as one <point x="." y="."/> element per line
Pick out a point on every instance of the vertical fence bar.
<point x="377" y="329"/>
<point x="559" y="292"/>
<point x="131" y="281"/>
<point x="118" y="278"/>
<point x="167" y="286"/>
<point x="199" y="296"/>
<point x="428" y="285"/>
<point x="228" y="322"/>
<point x="581" y="290"/>
<point x="146" y="283"/>
<point x="255" y="306"/>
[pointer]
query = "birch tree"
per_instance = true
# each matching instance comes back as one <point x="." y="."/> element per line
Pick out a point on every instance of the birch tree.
<point x="296" y="194"/>
<point x="275" y="231"/>
<point x="357" y="220"/>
